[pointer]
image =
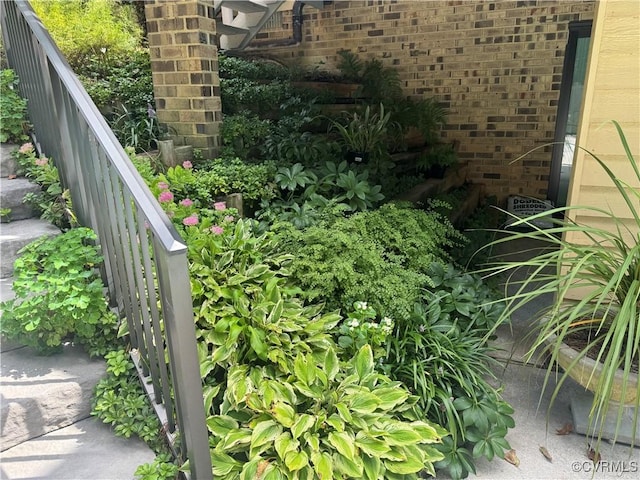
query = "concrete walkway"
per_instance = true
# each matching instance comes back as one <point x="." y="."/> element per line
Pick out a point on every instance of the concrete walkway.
<point x="47" y="431"/>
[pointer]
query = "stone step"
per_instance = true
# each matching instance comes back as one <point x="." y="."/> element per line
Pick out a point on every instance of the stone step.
<point x="15" y="235"/>
<point x="12" y="193"/>
<point x="41" y="394"/>
<point x="8" y="165"/>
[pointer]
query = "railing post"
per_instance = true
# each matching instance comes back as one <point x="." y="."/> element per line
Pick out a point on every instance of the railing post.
<point x="173" y="275"/>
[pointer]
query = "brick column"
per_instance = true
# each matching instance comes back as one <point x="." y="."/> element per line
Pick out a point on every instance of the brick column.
<point x="184" y="63"/>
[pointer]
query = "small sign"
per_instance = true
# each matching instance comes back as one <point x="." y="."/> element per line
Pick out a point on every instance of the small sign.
<point x="523" y="207"/>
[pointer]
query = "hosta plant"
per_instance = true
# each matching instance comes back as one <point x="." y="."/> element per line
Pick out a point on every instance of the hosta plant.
<point x="319" y="421"/>
<point x="280" y="403"/>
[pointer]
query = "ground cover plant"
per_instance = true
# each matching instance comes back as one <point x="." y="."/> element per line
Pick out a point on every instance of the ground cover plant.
<point x="13" y="108"/>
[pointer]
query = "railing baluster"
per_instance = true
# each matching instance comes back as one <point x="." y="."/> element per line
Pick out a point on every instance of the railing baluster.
<point x="145" y="258"/>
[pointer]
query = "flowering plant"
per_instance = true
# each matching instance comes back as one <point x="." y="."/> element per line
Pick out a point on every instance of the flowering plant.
<point x="186" y="213"/>
<point x="361" y="328"/>
<point x="53" y="202"/>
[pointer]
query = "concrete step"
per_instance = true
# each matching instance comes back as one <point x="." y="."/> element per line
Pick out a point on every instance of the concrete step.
<point x="15" y="235"/>
<point x="12" y="193"/>
<point x="41" y="394"/>
<point x="6" y="293"/>
<point x="8" y="165"/>
<point x="86" y="450"/>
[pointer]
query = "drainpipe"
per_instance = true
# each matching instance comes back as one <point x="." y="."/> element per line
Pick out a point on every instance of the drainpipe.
<point x="298" y="5"/>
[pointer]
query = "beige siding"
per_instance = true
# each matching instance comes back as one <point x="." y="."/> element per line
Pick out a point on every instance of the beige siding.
<point x="612" y="92"/>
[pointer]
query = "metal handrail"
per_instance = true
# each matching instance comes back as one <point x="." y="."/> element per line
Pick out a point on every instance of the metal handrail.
<point x="145" y="260"/>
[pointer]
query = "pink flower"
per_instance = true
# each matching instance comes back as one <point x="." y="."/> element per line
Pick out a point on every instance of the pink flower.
<point x="165" y="196"/>
<point x="163" y="185"/>
<point x="191" y="220"/>
<point x="229" y="218"/>
<point x="42" y="161"/>
<point x="217" y="230"/>
<point x="26" y="148"/>
<point x="187" y="202"/>
<point x="187" y="165"/>
<point x="220" y="206"/>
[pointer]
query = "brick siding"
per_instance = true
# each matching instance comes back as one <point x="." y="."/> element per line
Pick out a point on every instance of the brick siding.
<point x="182" y="44"/>
<point x="496" y="66"/>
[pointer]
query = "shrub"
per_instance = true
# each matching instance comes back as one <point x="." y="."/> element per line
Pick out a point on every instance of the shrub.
<point x="87" y="29"/>
<point x="379" y="256"/>
<point x="59" y="295"/>
<point x="13" y="109"/>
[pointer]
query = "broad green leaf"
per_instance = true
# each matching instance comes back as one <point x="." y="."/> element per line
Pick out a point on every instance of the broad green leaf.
<point x="412" y="464"/>
<point x="283" y="413"/>
<point x="258" y="344"/>
<point x="234" y="438"/>
<point x="400" y="434"/>
<point x="250" y="469"/>
<point x="223" y="464"/>
<point x="336" y="422"/>
<point x="304" y="368"/>
<point x="390" y="397"/>
<point x="323" y="464"/>
<point x="313" y="440"/>
<point x="303" y="423"/>
<point x="351" y="468"/>
<point x="331" y="364"/>
<point x="428" y="432"/>
<point x="264" y="432"/>
<point x="372" y="467"/>
<point x="364" y="361"/>
<point x="371" y="446"/>
<point x="220" y="425"/>
<point x="344" y="412"/>
<point x="364" y="403"/>
<point x="285" y="444"/>
<point x="343" y="443"/>
<point x="296" y="460"/>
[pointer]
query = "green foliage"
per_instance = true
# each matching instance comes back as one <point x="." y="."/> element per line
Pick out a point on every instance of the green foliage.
<point x="440" y="352"/>
<point x="441" y="155"/>
<point x="235" y="67"/>
<point x="162" y="468"/>
<point x="219" y="178"/>
<point x="308" y="195"/>
<point x="13" y="109"/>
<point x="280" y="402"/>
<point x="319" y="421"/>
<point x="361" y="328"/>
<point x="52" y="202"/>
<point x="139" y="129"/>
<point x="59" y="295"/>
<point x="119" y="400"/>
<point x="242" y="133"/>
<point x="87" y="29"/>
<point x="239" y="94"/>
<point x="379" y="256"/>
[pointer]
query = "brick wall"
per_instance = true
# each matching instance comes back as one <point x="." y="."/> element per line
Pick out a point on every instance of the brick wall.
<point x="182" y="44"/>
<point x="496" y="66"/>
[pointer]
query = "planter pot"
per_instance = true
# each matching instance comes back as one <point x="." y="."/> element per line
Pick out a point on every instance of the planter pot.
<point x="587" y="373"/>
